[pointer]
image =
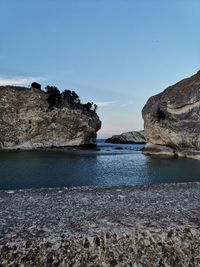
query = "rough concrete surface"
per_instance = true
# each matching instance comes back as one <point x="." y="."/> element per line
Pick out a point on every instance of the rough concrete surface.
<point x="140" y="226"/>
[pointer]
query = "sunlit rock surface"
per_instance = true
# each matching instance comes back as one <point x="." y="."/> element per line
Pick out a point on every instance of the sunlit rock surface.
<point x="26" y="122"/>
<point x="172" y="120"/>
<point x="134" y="137"/>
<point x="140" y="226"/>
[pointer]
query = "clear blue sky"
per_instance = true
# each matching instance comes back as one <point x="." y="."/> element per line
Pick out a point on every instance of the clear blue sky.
<point x="114" y="52"/>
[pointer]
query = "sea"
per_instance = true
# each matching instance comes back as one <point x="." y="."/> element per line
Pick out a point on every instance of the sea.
<point x="107" y="165"/>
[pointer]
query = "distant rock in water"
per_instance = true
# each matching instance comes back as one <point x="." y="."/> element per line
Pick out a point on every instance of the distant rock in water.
<point x="135" y="137"/>
<point x="32" y="118"/>
<point x="172" y="120"/>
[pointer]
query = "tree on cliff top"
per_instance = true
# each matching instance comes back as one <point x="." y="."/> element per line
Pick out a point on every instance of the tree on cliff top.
<point x="54" y="96"/>
<point x="36" y="85"/>
<point x="57" y="99"/>
<point x="71" y="97"/>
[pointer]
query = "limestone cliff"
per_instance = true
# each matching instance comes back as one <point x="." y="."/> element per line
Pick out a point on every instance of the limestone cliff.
<point x="28" y="122"/>
<point x="134" y="137"/>
<point x="172" y="120"/>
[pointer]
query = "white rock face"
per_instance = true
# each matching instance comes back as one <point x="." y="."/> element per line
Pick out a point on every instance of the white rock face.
<point x="134" y="137"/>
<point x="172" y="120"/>
<point x="26" y="122"/>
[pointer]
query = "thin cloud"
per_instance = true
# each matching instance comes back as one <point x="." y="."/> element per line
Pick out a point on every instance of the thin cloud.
<point x="19" y="80"/>
<point x="103" y="104"/>
<point x="127" y="104"/>
<point x="117" y="103"/>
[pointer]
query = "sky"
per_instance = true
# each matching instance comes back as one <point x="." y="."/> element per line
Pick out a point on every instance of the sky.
<point x="116" y="53"/>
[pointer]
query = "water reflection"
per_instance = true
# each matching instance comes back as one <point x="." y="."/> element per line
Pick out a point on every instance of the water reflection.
<point x="105" y="167"/>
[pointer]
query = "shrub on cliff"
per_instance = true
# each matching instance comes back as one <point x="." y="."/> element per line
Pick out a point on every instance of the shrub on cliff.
<point x="95" y="107"/>
<point x="54" y="96"/>
<point x="36" y="85"/>
<point x="71" y="97"/>
<point x="57" y="99"/>
<point x="87" y="106"/>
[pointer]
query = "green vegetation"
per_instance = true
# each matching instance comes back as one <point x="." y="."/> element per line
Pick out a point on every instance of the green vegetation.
<point x="36" y="85"/>
<point x="57" y="99"/>
<point x="54" y="96"/>
<point x="71" y="97"/>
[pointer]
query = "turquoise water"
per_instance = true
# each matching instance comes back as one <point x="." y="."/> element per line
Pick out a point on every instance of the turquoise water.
<point x="108" y="165"/>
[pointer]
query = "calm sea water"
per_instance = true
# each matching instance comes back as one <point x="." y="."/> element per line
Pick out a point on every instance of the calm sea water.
<point x="108" y="165"/>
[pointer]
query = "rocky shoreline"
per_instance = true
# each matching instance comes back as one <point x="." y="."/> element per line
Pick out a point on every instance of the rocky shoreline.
<point x="134" y="137"/>
<point x="138" y="226"/>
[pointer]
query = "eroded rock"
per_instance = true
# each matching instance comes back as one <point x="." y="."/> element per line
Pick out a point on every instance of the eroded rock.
<point x="134" y="137"/>
<point x="26" y="122"/>
<point x="172" y="120"/>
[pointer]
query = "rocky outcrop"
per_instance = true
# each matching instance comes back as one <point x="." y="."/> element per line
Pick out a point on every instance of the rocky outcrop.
<point x="28" y="122"/>
<point x="172" y="120"/>
<point x="135" y="137"/>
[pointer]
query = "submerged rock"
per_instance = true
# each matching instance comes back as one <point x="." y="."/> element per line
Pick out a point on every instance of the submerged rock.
<point x="27" y="121"/>
<point x="135" y="137"/>
<point x="172" y="120"/>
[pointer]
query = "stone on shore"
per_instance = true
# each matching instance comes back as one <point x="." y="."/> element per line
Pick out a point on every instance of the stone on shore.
<point x="134" y="137"/>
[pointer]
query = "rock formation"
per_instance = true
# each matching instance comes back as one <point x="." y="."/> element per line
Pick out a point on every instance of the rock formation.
<point x="172" y="120"/>
<point x="135" y="137"/>
<point x="27" y="121"/>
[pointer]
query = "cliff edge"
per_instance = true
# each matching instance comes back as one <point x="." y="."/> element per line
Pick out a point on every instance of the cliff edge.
<point x="31" y="118"/>
<point x="172" y="120"/>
